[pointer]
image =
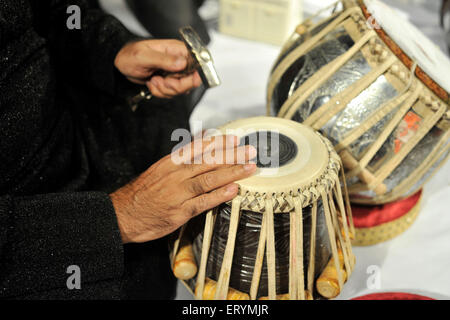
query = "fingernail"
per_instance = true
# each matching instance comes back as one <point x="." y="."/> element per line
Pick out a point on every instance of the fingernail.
<point x="179" y="63"/>
<point x="250" y="167"/>
<point x="231" y="189"/>
<point x="252" y="152"/>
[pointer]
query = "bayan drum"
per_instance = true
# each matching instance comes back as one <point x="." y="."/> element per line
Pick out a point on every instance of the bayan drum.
<point x="377" y="88"/>
<point x="287" y="235"/>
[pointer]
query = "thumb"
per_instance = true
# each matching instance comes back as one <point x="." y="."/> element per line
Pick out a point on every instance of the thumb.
<point x="166" y="61"/>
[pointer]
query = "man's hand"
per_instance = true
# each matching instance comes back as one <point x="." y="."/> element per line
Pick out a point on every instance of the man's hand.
<point x="167" y="195"/>
<point x="138" y="61"/>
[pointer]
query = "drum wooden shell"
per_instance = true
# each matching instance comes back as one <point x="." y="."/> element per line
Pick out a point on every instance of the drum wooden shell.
<point x="386" y="118"/>
<point x="277" y="239"/>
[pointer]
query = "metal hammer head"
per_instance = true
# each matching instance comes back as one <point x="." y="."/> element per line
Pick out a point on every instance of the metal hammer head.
<point x="201" y="59"/>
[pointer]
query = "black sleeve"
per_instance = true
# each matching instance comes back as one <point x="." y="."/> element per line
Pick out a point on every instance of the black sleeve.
<point x="90" y="50"/>
<point x="42" y="235"/>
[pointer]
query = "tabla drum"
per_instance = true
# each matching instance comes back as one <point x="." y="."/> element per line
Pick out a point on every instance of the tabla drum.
<point x="375" y="86"/>
<point x="287" y="235"/>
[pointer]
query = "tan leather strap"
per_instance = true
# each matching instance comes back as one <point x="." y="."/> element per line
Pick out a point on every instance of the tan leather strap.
<point x="346" y="242"/>
<point x="207" y="236"/>
<point x="312" y="249"/>
<point x="371" y="121"/>
<point x="300" y="273"/>
<point x="271" y="266"/>
<point x="338" y="230"/>
<point x="292" y="257"/>
<point x="259" y="258"/>
<point x="332" y="236"/>
<point x="340" y="101"/>
<point x="225" y="271"/>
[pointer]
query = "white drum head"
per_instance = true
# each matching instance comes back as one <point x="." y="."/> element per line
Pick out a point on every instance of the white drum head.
<point x="309" y="162"/>
<point x="413" y="42"/>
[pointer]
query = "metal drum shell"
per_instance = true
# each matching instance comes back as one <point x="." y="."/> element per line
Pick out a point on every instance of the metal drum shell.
<point x="426" y="156"/>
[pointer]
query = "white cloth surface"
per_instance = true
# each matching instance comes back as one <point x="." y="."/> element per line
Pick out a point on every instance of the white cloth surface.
<point x="417" y="261"/>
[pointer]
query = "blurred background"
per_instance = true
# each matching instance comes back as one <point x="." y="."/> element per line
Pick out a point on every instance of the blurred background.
<point x="245" y="37"/>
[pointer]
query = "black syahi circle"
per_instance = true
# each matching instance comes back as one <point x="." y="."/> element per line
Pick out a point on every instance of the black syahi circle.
<point x="274" y="149"/>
